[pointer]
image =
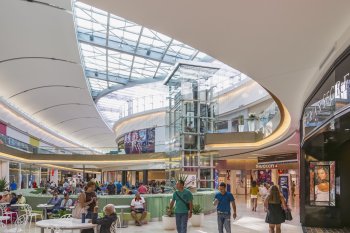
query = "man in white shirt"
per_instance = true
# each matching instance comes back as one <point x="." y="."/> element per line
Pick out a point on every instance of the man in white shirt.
<point x="138" y="206"/>
<point x="66" y="202"/>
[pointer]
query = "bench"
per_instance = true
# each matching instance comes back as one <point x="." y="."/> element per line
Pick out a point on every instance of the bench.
<point x="127" y="217"/>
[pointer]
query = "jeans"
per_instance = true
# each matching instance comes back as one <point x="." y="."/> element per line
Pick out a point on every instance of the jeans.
<point x="181" y="222"/>
<point x="224" y="220"/>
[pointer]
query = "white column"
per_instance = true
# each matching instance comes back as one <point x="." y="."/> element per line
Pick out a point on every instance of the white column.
<point x="99" y="177"/>
<point x="54" y="177"/>
<point x="39" y="178"/>
<point x="19" y="176"/>
<point x="233" y="182"/>
<point x="5" y="170"/>
<point x="133" y="177"/>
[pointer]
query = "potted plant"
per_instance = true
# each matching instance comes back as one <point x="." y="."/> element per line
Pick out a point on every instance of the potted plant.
<point x="3" y="184"/>
<point x="169" y="221"/>
<point x="251" y="121"/>
<point x="197" y="216"/>
<point x="241" y="123"/>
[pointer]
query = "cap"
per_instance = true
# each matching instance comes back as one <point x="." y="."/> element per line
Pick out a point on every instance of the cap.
<point x="6" y="193"/>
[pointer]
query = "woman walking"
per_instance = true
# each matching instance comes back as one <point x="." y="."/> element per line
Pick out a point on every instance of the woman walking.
<point x="254" y="190"/>
<point x="275" y="205"/>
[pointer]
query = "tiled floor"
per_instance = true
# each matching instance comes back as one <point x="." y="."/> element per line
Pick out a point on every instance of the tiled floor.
<point x="246" y="222"/>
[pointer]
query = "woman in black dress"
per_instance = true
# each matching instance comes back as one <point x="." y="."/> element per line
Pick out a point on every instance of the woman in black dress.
<point x="275" y="204"/>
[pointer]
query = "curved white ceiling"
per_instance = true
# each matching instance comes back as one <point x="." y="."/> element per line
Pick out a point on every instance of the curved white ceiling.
<point x="280" y="44"/>
<point x="40" y="71"/>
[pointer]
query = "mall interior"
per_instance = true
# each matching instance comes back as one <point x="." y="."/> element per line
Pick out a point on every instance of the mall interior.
<point x="142" y="93"/>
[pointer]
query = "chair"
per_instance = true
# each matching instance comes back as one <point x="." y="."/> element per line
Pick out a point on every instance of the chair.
<point x="20" y="225"/>
<point x="29" y="212"/>
<point x="54" y="229"/>
<point x="114" y="226"/>
<point x="4" y="212"/>
<point x="2" y="226"/>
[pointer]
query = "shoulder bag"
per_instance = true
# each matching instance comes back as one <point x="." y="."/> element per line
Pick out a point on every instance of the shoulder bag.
<point x="79" y="208"/>
<point x="187" y="204"/>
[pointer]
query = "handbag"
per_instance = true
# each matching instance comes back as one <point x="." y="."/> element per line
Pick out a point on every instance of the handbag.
<point x="288" y="215"/>
<point x="79" y="208"/>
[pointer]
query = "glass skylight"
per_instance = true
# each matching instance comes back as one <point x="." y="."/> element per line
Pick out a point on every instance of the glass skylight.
<point x="126" y="63"/>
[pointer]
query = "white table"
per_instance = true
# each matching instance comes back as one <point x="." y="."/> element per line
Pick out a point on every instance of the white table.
<point x="65" y="224"/>
<point x="122" y="208"/>
<point x="45" y="207"/>
<point x="2" y="218"/>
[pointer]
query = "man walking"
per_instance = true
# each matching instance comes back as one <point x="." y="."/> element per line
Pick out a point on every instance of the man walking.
<point x="183" y="206"/>
<point x="223" y="200"/>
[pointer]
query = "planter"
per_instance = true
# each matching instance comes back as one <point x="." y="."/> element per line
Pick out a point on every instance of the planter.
<point x="197" y="219"/>
<point x="240" y="128"/>
<point x="251" y="125"/>
<point x="169" y="223"/>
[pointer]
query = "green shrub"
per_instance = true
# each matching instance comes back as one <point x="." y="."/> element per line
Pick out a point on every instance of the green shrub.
<point x="197" y="209"/>
<point x="3" y="184"/>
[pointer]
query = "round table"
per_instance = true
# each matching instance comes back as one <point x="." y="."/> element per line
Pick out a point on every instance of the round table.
<point x="122" y="208"/>
<point x="65" y="224"/>
<point x="45" y="207"/>
<point x="3" y="218"/>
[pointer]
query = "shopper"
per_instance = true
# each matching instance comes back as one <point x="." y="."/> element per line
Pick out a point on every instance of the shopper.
<point x="222" y="200"/>
<point x="88" y="198"/>
<point x="275" y="206"/>
<point x="183" y="206"/>
<point x="254" y="190"/>
<point x="111" y="188"/>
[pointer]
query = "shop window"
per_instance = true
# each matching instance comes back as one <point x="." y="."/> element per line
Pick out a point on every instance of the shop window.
<point x="322" y="183"/>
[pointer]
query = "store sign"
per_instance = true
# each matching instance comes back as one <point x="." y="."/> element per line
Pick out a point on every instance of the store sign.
<point x="337" y="91"/>
<point x="266" y="166"/>
<point x="333" y="95"/>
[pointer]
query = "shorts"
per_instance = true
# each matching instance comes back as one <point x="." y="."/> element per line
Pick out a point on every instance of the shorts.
<point x="253" y="196"/>
<point x="141" y="210"/>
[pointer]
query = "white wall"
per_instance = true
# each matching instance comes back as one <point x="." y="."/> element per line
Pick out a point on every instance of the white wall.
<point x="242" y="96"/>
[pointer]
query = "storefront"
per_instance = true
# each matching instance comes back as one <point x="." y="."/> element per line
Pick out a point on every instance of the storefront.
<point x="325" y="140"/>
<point x="239" y="173"/>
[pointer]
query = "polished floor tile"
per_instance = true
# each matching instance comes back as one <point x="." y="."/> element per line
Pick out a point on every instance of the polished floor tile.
<point x="246" y="222"/>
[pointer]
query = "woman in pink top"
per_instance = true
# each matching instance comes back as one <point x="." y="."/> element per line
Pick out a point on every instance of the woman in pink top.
<point x="142" y="189"/>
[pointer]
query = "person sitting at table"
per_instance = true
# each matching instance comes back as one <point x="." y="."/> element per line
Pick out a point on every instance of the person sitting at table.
<point x="66" y="202"/>
<point x="56" y="202"/>
<point x="13" y="199"/>
<point x="138" y="206"/>
<point x="21" y="199"/>
<point x="105" y="222"/>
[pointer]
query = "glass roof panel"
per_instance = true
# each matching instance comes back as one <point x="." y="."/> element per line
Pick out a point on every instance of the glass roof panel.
<point x="135" y="53"/>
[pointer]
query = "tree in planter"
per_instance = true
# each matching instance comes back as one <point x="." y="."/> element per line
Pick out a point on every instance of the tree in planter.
<point x="251" y="121"/>
<point x="198" y="216"/>
<point x="241" y="123"/>
<point x="169" y="221"/>
<point x="3" y="184"/>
